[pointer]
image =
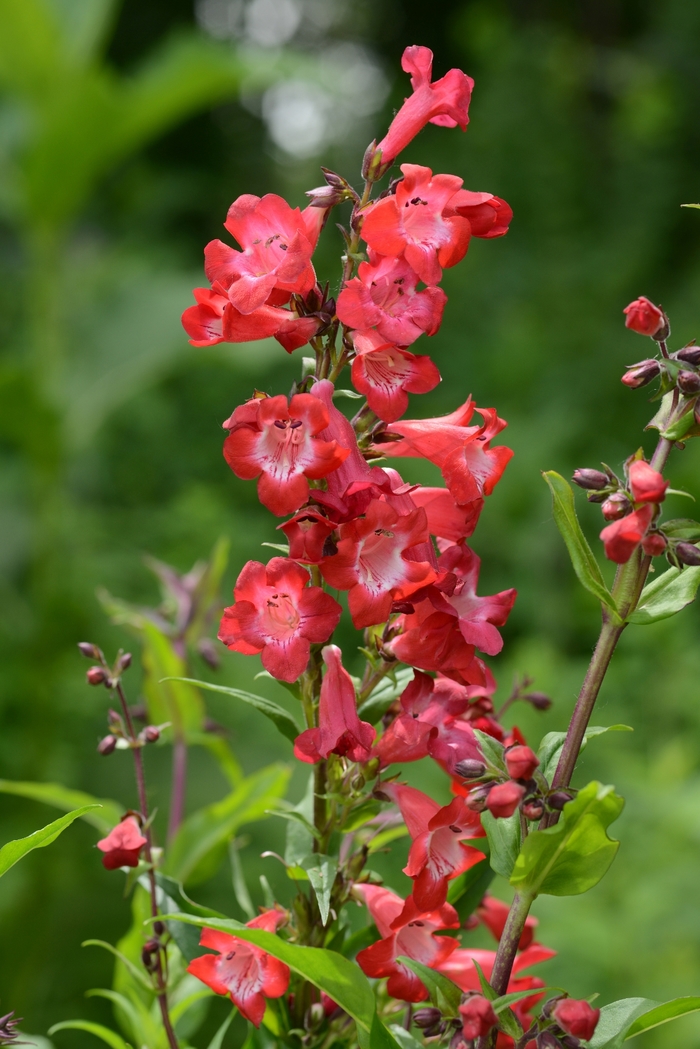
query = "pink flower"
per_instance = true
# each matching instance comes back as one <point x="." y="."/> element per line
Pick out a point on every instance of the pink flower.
<point x="308" y="533"/>
<point x="340" y="730"/>
<point x="432" y="640"/>
<point x="204" y="322"/>
<point x="478" y="1016"/>
<point x="123" y="845"/>
<point x="488" y="216"/>
<point x="278" y="616"/>
<point x="445" y="102"/>
<point x="407" y="931"/>
<point x="478" y="617"/>
<point x="437" y="854"/>
<point x="373" y="561"/>
<point x="214" y="319"/>
<point x="246" y="973"/>
<point x="386" y="374"/>
<point x="576" y="1018"/>
<point x="647" y="484"/>
<point x="276" y="256"/>
<point x="621" y="538"/>
<point x="384" y="296"/>
<point x="413" y="223"/>
<point x="644" y="317"/>
<point x="279" y="443"/>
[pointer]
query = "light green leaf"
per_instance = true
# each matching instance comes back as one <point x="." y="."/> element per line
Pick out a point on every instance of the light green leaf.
<point x="206" y="831"/>
<point x="466" y="892"/>
<point x="131" y="1013"/>
<point x="282" y="721"/>
<point x="584" y="563"/>
<point x="381" y="698"/>
<point x="616" y="1019"/>
<point x="506" y="1000"/>
<point x="663" y="1014"/>
<point x="404" y="1037"/>
<point x="380" y="1037"/>
<point x="102" y="813"/>
<point x="321" y="871"/>
<point x="486" y="988"/>
<point x="13" y="851"/>
<point x="491" y="749"/>
<point x="551" y="745"/>
<point x="240" y="888"/>
<point x="444" y="994"/>
<point x="683" y="528"/>
<point x="666" y="595"/>
<point x="299" y="841"/>
<point x="103" y="1033"/>
<point x="573" y="855"/>
<point x="504" y="841"/>
<point x="296" y="817"/>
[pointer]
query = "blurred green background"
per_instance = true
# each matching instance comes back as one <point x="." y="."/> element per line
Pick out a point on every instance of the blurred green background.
<point x="125" y="132"/>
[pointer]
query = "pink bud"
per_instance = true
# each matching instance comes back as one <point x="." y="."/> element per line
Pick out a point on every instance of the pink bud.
<point x="504" y="799"/>
<point x="641" y="374"/>
<point x="96" y="676"/>
<point x="577" y="1018"/>
<point x="151" y="733"/>
<point x="521" y="762"/>
<point x="615" y="507"/>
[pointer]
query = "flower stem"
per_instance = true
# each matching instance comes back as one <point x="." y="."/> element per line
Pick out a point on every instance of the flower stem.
<point x="179" y="781"/>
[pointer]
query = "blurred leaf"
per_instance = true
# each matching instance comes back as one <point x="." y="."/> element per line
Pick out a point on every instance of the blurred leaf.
<point x="380" y="1037"/>
<point x="321" y="871"/>
<point x="85" y="26"/>
<point x="222" y="753"/>
<point x="240" y="888"/>
<point x="584" y="563"/>
<point x="551" y="746"/>
<point x="147" y="1029"/>
<point x="506" y="1000"/>
<point x="102" y="813"/>
<point x="209" y="829"/>
<point x="299" y="841"/>
<point x="683" y="528"/>
<point x="666" y="595"/>
<point x="404" y="1037"/>
<point x="283" y="721"/>
<point x="466" y="892"/>
<point x="134" y="970"/>
<point x="14" y="851"/>
<point x="444" y="994"/>
<point x="127" y="1008"/>
<point x="103" y="1033"/>
<point x="381" y="698"/>
<point x="504" y="841"/>
<point x="662" y="1014"/>
<point x="218" y="1038"/>
<point x="573" y="855"/>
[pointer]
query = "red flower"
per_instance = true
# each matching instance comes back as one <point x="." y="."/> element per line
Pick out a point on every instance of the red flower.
<point x="521" y="762"/>
<point x="644" y="317"/>
<point x="488" y="216"/>
<point x="478" y="1016"/>
<point x="621" y="538"/>
<point x="412" y="222"/>
<point x="445" y="102"/>
<point x="278" y="616"/>
<point x="216" y="320"/>
<point x="384" y="296"/>
<point x="122" y="845"/>
<point x="493" y="913"/>
<point x="340" y="730"/>
<point x="275" y="258"/>
<point x="372" y="562"/>
<point x="647" y="484"/>
<point x="576" y="1018"/>
<point x="446" y="518"/>
<point x="478" y="616"/>
<point x="432" y="640"/>
<point x="386" y="374"/>
<point x="204" y="322"/>
<point x="407" y="931"/>
<point x="241" y="970"/>
<point x="280" y="445"/>
<point x="504" y="798"/>
<point x="308" y="533"/>
<point x="437" y="855"/>
<point x="470" y="467"/>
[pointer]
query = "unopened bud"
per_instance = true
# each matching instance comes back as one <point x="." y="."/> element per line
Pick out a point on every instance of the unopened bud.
<point x="151" y="733"/>
<point x="149" y="948"/>
<point x="546" y="1040"/>
<point x="372" y="163"/>
<point x="576" y="1017"/>
<point x="689" y="383"/>
<point x="89" y="650"/>
<point x="427" y="1017"/>
<point x="687" y="554"/>
<point x="533" y="809"/>
<point x="641" y="374"/>
<point x="616" y="506"/>
<point x="106" y="746"/>
<point x="521" y="762"/>
<point x="158" y="928"/>
<point x="504" y="799"/>
<point x="477" y="798"/>
<point x="689" y="354"/>
<point x="590" y="479"/>
<point x="558" y="800"/>
<point x="125" y="661"/>
<point x="326" y="196"/>
<point x="469" y="769"/>
<point x="315" y="1015"/>
<point x="654" y="544"/>
<point x="96" y="676"/>
<point x="539" y="700"/>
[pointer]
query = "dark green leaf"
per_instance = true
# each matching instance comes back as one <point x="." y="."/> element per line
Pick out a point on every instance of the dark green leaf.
<point x="13" y="851"/>
<point x="666" y="595"/>
<point x="380" y="1037"/>
<point x="584" y="563"/>
<point x="102" y="813"/>
<point x="218" y="1038"/>
<point x="380" y="699"/>
<point x="551" y="745"/>
<point x="283" y="721"/>
<point x="103" y="1033"/>
<point x="504" y="841"/>
<point x="573" y="855"/>
<point x="444" y="994"/>
<point x="466" y="892"/>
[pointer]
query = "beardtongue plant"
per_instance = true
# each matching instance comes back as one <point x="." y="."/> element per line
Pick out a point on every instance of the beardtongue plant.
<point x="296" y="971"/>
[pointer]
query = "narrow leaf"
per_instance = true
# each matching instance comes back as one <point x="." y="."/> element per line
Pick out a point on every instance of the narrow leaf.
<point x="283" y="721"/>
<point x="321" y="871"/>
<point x="240" y="888"/>
<point x="404" y="1037"/>
<point x="506" y="1000"/>
<point x="616" y="1019"/>
<point x="218" y="1038"/>
<point x="666" y="595"/>
<point x="104" y="818"/>
<point x="662" y="1014"/>
<point x="13" y="851"/>
<point x="380" y="1037"/>
<point x="486" y="988"/>
<point x="101" y="1032"/>
<point x="491" y="749"/>
<point x="444" y="994"/>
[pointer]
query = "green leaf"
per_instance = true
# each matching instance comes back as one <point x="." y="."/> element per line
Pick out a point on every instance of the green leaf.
<point x="283" y="721"/>
<point x="134" y="970"/>
<point x="62" y="797"/>
<point x="491" y="749"/>
<point x="206" y="831"/>
<point x="321" y="871"/>
<point x="103" y="1033"/>
<point x="340" y="978"/>
<point x="584" y="563"/>
<point x="404" y="1037"/>
<point x="380" y="699"/>
<point x="466" y="892"/>
<point x="131" y="1013"/>
<point x="504" y="841"/>
<point x="299" y="842"/>
<point x="218" y="1038"/>
<point x="240" y="888"/>
<point x="13" y="851"/>
<point x="573" y="855"/>
<point x="507" y="1020"/>
<point x="486" y="988"/>
<point x="380" y="1037"/>
<point x="616" y="1019"/>
<point x="663" y="1014"/>
<point x="444" y="994"/>
<point x="506" y="1000"/>
<point x="682" y="528"/>
<point x="551" y="745"/>
<point x="666" y="595"/>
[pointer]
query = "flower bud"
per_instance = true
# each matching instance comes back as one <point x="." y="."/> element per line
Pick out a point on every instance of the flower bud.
<point x="546" y="1040"/>
<point x="653" y="545"/>
<point x="427" y="1017"/>
<point x="521" y="762"/>
<point x="533" y="809"/>
<point x="478" y="1016"/>
<point x="470" y="768"/>
<point x="616" y="506"/>
<point x="106" y="746"/>
<point x="314" y="1016"/>
<point x="641" y="374"/>
<point x="372" y="163"/>
<point x="590" y="479"/>
<point x="477" y="798"/>
<point x="577" y="1018"/>
<point x="151" y="733"/>
<point x="646" y="319"/>
<point x="504" y="799"/>
<point x="96" y="676"/>
<point x="159" y="928"/>
<point x="125" y="661"/>
<point x="688" y="383"/>
<point x="687" y="554"/>
<point x="89" y="650"/>
<point x="326" y="196"/>
<point x="689" y="354"/>
<point x="558" y="800"/>
<point x="539" y="700"/>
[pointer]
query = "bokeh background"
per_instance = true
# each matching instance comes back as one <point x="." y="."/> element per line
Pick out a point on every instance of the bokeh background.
<point x="125" y="132"/>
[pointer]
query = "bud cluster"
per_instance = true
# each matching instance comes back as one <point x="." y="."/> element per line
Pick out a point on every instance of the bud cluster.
<point x="525" y="788"/>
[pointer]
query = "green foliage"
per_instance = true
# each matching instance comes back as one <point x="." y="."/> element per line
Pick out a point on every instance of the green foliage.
<point x="100" y="812"/>
<point x="279" y="717"/>
<point x="573" y="855"/>
<point x="504" y="838"/>
<point x="666" y="595"/>
<point x="444" y="994"/>
<point x="111" y="1038"/>
<point x="633" y="1016"/>
<point x="321" y="871"/>
<point x="13" y="851"/>
<point x="551" y="746"/>
<point x="466" y="892"/>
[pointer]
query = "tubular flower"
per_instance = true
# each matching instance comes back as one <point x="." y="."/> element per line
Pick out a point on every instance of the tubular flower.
<point x="407" y="931"/>
<point x="340" y="730"/>
<point x="278" y="616"/>
<point x="123" y="845"/>
<point x="444" y="102"/>
<point x="244" y="972"/>
<point x="437" y="854"/>
<point x="432" y="640"/>
<point x="384" y="296"/>
<point x="386" y="374"/>
<point x="470" y="467"/>
<point x="478" y="616"/>
<point x="276" y="256"/>
<point x="214" y="319"/>
<point x="413" y="223"/>
<point x="204" y="323"/>
<point x="308" y="533"/>
<point x="621" y="538"/>
<point x="372" y="562"/>
<point x="279" y="443"/>
<point x="446" y="518"/>
<point x="647" y="484"/>
<point x="488" y="216"/>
